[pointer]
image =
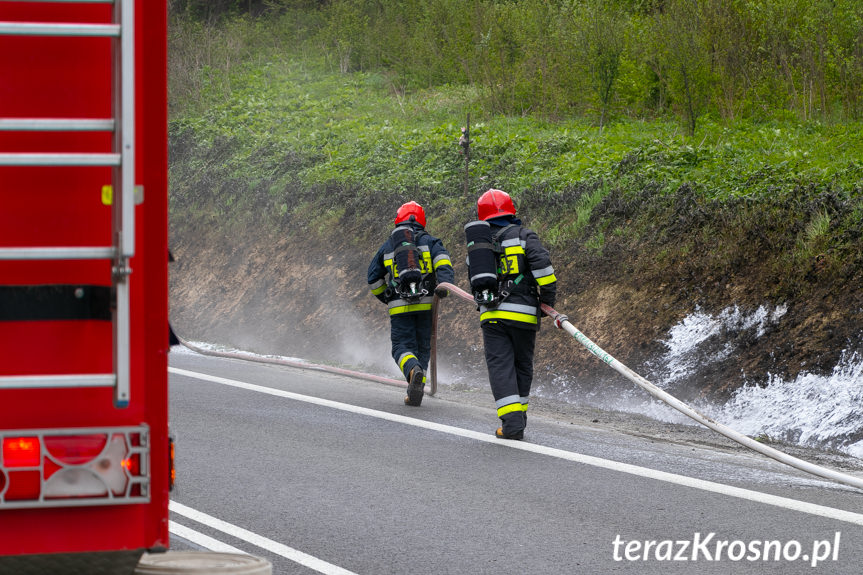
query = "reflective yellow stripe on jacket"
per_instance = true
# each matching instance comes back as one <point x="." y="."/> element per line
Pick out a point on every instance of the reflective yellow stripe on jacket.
<point x="398" y="306"/>
<point x="544" y="276"/>
<point x="378" y="287"/>
<point x="511" y="311"/>
<point x="441" y="260"/>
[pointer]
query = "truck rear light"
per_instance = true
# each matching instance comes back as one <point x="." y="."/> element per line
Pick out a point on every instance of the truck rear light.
<point x="75" y="449"/>
<point x="78" y="467"/>
<point x="172" y="471"/>
<point x="98" y="466"/>
<point x="23" y="485"/>
<point x="21" y="452"/>
<point x="132" y="465"/>
<point x="75" y="482"/>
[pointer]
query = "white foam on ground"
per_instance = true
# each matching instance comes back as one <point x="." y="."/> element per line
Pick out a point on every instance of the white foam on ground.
<point x="824" y="411"/>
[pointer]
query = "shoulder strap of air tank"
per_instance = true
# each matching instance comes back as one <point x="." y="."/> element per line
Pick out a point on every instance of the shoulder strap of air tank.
<point x="496" y="237"/>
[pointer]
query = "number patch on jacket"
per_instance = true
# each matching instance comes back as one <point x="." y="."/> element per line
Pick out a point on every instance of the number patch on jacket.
<point x="509" y="265"/>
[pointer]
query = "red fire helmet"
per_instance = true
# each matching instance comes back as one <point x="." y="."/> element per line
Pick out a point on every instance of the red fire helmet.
<point x="494" y="203"/>
<point x="411" y="209"/>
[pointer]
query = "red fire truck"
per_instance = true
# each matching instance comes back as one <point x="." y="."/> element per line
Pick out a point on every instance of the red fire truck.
<point x="85" y="454"/>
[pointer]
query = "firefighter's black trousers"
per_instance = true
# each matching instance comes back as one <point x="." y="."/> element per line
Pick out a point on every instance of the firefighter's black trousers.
<point x="509" y="357"/>
<point x="410" y="335"/>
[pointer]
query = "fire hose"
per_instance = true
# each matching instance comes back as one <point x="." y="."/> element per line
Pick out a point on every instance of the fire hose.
<point x="593" y="348"/>
<point x="658" y="393"/>
<point x="292" y="363"/>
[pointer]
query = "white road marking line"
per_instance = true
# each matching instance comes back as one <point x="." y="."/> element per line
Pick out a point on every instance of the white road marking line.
<point x="713" y="487"/>
<point x="199" y="538"/>
<point x="304" y="559"/>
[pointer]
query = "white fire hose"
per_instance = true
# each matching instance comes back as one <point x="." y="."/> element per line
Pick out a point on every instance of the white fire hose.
<point x="672" y="401"/>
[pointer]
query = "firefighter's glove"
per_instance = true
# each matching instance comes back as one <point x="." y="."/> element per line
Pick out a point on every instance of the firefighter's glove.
<point x="441" y="292"/>
<point x="558" y="321"/>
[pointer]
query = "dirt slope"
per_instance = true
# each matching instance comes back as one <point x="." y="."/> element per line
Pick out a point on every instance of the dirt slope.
<point x="297" y="295"/>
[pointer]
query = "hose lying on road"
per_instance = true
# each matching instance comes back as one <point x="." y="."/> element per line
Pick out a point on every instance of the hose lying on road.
<point x="290" y="363"/>
<point x="667" y="398"/>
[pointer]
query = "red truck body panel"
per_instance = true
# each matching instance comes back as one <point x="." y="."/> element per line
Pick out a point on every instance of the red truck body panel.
<point x="63" y="206"/>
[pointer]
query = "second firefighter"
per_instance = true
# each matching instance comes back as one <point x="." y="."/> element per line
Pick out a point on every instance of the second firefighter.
<point x="511" y="275"/>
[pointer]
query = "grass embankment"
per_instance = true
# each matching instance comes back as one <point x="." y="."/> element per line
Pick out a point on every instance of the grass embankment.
<point x="300" y="147"/>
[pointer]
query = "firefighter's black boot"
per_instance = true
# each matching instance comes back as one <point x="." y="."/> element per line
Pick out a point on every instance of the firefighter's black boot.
<point x="415" y="387"/>
<point x="513" y="426"/>
<point x="516" y="435"/>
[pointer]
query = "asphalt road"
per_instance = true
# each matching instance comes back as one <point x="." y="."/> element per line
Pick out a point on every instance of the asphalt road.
<point x="321" y="473"/>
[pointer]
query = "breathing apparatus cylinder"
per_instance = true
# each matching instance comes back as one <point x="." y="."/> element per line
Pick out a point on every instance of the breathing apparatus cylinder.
<point x="482" y="262"/>
<point x="407" y="260"/>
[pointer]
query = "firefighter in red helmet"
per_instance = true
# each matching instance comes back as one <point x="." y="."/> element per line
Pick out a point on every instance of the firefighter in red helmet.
<point x="404" y="274"/>
<point x="510" y="313"/>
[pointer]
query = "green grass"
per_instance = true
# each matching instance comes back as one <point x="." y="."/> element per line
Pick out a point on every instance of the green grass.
<point x="354" y="129"/>
<point x="295" y="144"/>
